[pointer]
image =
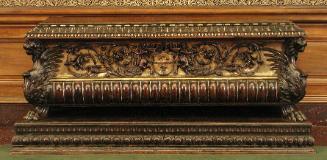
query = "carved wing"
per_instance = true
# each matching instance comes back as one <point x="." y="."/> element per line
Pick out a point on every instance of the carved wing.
<point x="49" y="61"/>
<point x="279" y="60"/>
<point x="44" y="68"/>
<point x="292" y="81"/>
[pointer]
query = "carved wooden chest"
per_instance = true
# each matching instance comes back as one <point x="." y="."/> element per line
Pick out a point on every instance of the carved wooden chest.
<point x="105" y="65"/>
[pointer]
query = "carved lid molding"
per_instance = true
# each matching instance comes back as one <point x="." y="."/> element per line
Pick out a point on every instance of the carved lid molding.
<point x="165" y="30"/>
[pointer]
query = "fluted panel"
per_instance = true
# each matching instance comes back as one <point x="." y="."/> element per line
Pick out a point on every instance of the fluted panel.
<point x="163" y="91"/>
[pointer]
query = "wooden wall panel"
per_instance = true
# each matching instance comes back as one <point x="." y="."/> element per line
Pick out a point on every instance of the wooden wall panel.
<point x="14" y="61"/>
<point x="314" y="60"/>
<point x="11" y="91"/>
<point x="315" y="31"/>
<point x="14" y="31"/>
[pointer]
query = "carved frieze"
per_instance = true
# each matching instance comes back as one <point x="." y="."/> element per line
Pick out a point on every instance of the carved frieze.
<point x="157" y="3"/>
<point x="164" y="59"/>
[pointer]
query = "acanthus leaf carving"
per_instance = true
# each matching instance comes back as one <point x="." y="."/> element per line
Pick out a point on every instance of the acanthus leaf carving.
<point x="164" y="59"/>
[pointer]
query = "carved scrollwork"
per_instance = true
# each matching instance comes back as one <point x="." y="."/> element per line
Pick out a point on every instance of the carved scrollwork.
<point x="164" y="59"/>
<point x="110" y="60"/>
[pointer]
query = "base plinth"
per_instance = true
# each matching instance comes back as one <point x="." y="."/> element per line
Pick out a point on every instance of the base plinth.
<point x="162" y="137"/>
